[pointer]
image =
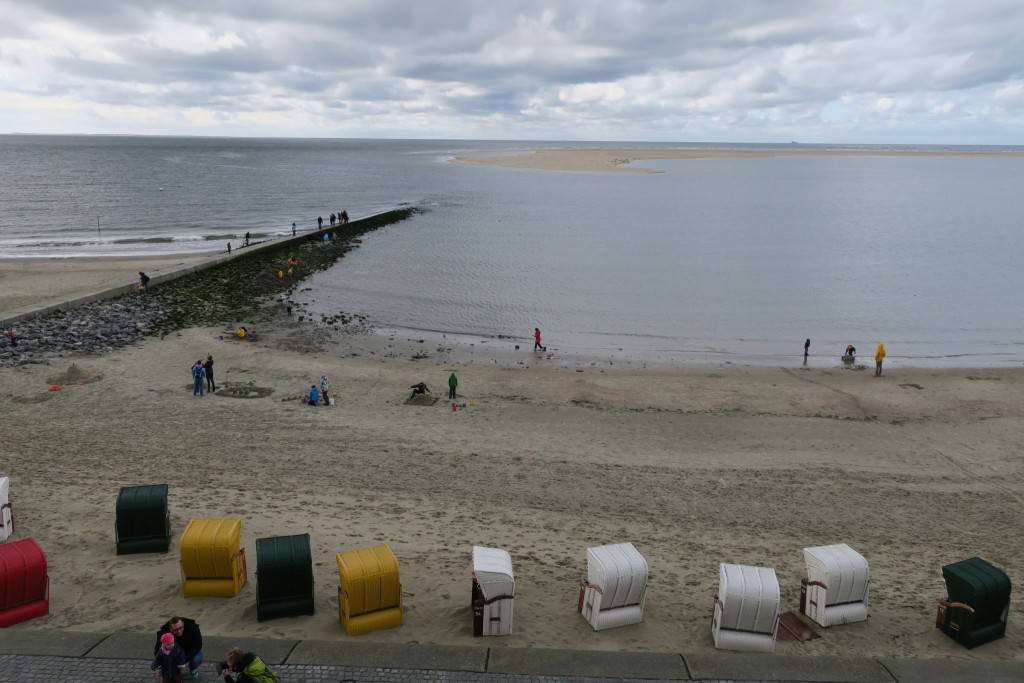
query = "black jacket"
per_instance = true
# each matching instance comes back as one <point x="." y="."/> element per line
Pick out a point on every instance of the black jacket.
<point x="190" y="640"/>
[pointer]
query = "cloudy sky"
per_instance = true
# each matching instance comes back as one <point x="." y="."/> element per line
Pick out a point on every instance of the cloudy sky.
<point x="898" y="71"/>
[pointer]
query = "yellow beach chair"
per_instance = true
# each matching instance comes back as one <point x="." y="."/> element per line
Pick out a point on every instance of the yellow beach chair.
<point x="370" y="594"/>
<point x="212" y="561"/>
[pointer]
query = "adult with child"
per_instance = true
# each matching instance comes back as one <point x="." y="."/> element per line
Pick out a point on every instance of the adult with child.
<point x="247" y="667"/>
<point x="188" y="637"/>
<point x="143" y="281"/>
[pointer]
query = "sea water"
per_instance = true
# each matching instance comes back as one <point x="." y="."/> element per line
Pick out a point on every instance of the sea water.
<point x="722" y="259"/>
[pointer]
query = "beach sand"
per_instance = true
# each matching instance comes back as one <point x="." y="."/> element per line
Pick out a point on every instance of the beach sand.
<point x="29" y="281"/>
<point x="623" y="160"/>
<point x="695" y="465"/>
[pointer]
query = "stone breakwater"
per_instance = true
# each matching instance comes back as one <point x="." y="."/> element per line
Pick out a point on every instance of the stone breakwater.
<point x="247" y="288"/>
<point x="96" y="327"/>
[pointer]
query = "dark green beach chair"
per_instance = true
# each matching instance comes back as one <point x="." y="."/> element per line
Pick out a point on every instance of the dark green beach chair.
<point x="975" y="611"/>
<point x="143" y="522"/>
<point x="284" y="577"/>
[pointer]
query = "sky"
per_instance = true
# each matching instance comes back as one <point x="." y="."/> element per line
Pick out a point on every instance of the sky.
<point x="824" y="71"/>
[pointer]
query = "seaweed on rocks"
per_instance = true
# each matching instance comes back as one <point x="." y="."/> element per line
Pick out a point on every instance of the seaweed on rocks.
<point x="239" y="289"/>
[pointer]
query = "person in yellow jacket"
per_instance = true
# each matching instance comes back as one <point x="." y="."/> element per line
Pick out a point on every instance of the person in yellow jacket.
<point x="879" y="357"/>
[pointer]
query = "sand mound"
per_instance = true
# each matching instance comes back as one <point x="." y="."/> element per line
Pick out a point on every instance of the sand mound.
<point x="76" y="375"/>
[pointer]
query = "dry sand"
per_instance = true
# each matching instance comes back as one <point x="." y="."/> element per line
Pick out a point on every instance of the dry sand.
<point x="694" y="465"/>
<point x="622" y="160"/>
<point x="30" y="281"/>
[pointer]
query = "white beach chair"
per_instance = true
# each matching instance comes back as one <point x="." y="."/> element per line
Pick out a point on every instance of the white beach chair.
<point x="6" y="512"/>
<point x="746" y="615"/>
<point x="616" y="586"/>
<point x="494" y="591"/>
<point x="836" y="588"/>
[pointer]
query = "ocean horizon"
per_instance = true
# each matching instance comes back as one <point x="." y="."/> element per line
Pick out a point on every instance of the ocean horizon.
<point x="735" y="260"/>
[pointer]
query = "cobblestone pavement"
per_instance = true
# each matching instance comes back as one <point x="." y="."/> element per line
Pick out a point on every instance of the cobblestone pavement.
<point x="32" y="669"/>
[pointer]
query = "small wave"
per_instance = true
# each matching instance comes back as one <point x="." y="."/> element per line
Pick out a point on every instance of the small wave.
<point x="143" y="240"/>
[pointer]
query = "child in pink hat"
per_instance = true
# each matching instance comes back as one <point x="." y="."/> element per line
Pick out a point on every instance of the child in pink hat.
<point x="169" y="663"/>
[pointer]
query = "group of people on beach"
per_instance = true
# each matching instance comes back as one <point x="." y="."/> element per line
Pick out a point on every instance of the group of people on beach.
<point x="851" y="354"/>
<point x="179" y="652"/>
<point x="314" y="396"/>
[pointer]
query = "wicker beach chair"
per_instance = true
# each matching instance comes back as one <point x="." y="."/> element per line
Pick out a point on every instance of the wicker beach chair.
<point x="284" y="577"/>
<point x="616" y="587"/>
<point x="142" y="520"/>
<point x="212" y="559"/>
<point x="6" y="511"/>
<point x="370" y="590"/>
<point x="836" y="588"/>
<point x="494" y="591"/>
<point x="746" y="613"/>
<point x="24" y="582"/>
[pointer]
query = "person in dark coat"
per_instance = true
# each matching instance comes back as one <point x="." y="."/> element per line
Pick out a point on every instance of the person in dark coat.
<point x="208" y="366"/>
<point x="419" y="388"/>
<point x="187" y="635"/>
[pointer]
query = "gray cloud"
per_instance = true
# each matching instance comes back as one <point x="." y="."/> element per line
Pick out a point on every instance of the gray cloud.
<point x="814" y="70"/>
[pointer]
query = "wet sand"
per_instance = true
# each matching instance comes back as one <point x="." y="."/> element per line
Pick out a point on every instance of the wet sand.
<point x="624" y="160"/>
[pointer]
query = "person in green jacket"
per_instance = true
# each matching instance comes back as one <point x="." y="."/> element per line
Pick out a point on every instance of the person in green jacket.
<point x="453" y="382"/>
<point x="247" y="667"/>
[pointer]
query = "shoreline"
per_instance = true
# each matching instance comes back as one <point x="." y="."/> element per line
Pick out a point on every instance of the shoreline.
<point x="57" y="279"/>
<point x="622" y="160"/>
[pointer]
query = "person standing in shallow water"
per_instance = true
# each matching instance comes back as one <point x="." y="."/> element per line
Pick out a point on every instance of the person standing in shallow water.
<point x="879" y="357"/>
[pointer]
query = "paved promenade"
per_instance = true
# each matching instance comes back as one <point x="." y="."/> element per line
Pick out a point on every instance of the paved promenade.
<point x="31" y="656"/>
